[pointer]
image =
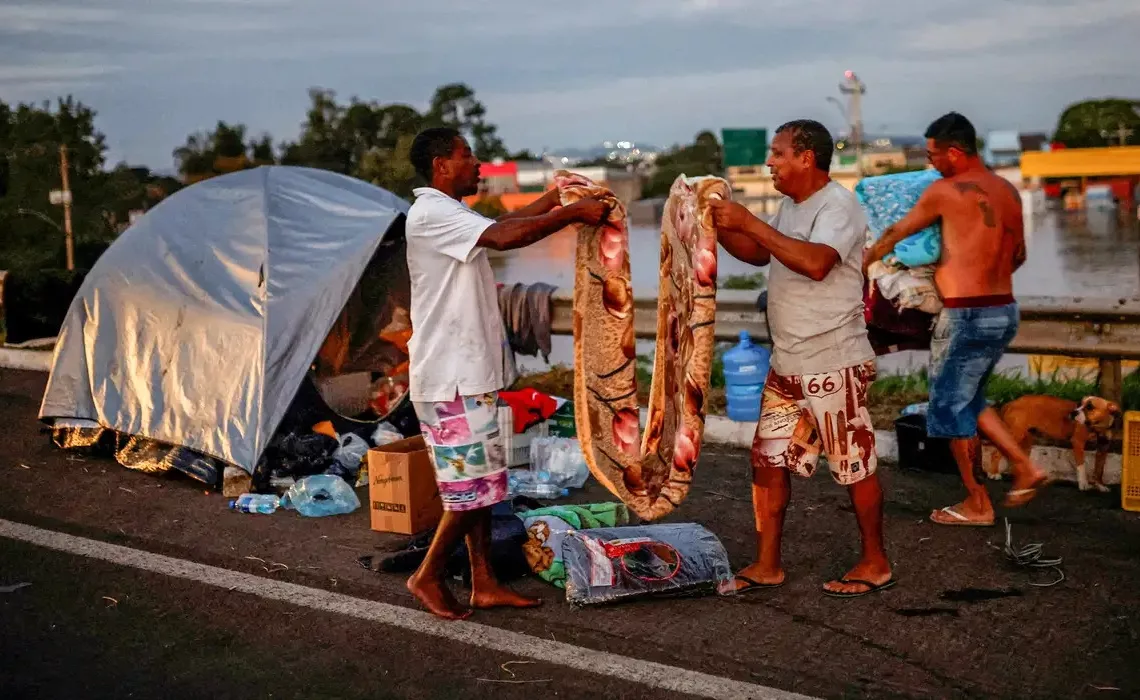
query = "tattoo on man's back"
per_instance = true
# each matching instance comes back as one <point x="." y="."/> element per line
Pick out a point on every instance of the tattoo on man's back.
<point x="965" y="187"/>
<point x="988" y="216"/>
<point x="987" y="213"/>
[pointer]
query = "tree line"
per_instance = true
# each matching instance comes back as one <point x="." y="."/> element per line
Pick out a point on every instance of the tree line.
<point x="367" y="140"/>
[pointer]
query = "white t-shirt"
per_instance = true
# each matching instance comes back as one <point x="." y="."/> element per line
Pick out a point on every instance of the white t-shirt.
<point x="457" y="330"/>
<point x="818" y="326"/>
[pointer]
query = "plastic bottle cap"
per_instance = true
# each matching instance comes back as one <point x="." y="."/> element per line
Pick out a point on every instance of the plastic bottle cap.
<point x="745" y="339"/>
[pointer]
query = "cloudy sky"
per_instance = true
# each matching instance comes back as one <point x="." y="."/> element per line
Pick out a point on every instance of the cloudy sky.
<point x="565" y="73"/>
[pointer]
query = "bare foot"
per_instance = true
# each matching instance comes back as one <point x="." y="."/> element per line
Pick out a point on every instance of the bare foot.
<point x="756" y="574"/>
<point x="436" y="597"/>
<point x="863" y="578"/>
<point x="968" y="512"/>
<point x="501" y="597"/>
<point x="1026" y="482"/>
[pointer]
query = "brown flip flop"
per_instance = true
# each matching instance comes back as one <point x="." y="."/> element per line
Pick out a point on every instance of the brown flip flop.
<point x="958" y="520"/>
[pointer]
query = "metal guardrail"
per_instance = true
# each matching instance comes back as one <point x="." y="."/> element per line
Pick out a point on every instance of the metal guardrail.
<point x="1105" y="329"/>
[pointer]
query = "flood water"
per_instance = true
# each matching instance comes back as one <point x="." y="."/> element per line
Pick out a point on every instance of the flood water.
<point x="1088" y="254"/>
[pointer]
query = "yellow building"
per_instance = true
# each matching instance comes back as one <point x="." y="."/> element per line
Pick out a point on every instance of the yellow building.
<point x="1111" y="162"/>
<point x="1068" y="173"/>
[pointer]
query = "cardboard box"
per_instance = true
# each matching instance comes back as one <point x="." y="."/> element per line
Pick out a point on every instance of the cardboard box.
<point x="402" y="494"/>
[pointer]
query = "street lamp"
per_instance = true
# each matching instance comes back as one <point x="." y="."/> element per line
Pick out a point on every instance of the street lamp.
<point x="855" y="89"/>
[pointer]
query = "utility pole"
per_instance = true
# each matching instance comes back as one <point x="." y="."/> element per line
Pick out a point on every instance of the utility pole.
<point x="854" y="88"/>
<point x="65" y="199"/>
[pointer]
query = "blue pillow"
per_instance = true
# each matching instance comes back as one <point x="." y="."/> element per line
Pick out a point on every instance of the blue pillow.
<point x="887" y="198"/>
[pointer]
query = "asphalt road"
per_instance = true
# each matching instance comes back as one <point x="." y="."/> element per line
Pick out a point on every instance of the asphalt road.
<point x="93" y="629"/>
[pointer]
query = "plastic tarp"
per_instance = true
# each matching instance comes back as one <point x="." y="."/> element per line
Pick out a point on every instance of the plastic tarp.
<point x="198" y="324"/>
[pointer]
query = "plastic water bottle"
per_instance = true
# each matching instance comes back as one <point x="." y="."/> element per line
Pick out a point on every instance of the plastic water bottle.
<point x="745" y="370"/>
<point x="523" y="482"/>
<point x="256" y="503"/>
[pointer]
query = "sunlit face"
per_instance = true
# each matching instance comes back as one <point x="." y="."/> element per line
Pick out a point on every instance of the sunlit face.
<point x="788" y="167"/>
<point x="461" y="169"/>
<point x="946" y="160"/>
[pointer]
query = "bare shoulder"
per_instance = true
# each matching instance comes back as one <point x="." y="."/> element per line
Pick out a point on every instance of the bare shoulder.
<point x="1003" y="185"/>
<point x="939" y="193"/>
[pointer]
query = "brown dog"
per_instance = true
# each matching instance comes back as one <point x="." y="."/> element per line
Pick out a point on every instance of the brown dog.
<point x="1060" y="419"/>
<point x="1063" y="420"/>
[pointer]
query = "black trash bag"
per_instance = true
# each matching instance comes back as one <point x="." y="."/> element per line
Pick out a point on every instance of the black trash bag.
<point x="302" y="454"/>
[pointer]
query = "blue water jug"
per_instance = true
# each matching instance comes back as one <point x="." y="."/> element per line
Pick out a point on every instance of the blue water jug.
<point x="745" y="370"/>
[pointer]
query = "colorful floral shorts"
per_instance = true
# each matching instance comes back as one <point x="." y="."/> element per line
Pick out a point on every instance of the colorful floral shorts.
<point x="802" y="416"/>
<point x="462" y="436"/>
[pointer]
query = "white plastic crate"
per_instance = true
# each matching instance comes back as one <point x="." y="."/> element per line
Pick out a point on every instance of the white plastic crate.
<point x="517" y="447"/>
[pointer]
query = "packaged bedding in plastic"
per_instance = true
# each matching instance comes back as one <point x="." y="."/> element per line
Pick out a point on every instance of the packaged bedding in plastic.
<point x="607" y="565"/>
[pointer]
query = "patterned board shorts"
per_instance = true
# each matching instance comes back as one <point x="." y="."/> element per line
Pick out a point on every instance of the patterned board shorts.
<point x="463" y="438"/>
<point x="794" y="408"/>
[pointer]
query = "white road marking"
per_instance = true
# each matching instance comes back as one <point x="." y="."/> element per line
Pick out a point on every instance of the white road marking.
<point x="602" y="663"/>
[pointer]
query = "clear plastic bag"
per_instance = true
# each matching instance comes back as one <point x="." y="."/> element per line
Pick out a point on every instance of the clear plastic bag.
<point x="385" y="434"/>
<point x="350" y="452"/>
<point x="558" y="461"/>
<point x="319" y="495"/>
<point x="606" y="565"/>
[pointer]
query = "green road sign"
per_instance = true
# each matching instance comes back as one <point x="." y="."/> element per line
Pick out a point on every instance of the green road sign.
<point x="744" y="147"/>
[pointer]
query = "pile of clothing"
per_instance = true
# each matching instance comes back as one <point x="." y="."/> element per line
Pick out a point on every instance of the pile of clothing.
<point x="900" y="299"/>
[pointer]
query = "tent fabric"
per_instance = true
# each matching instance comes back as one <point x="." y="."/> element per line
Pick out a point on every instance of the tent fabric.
<point x="197" y="326"/>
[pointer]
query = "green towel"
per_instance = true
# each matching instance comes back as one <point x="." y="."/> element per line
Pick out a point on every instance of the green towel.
<point x="547" y="526"/>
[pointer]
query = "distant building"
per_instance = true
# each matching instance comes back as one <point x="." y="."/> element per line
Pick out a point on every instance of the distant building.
<point x="1069" y="173"/>
<point x="1034" y="142"/>
<point x="518" y="183"/>
<point x="498" y="178"/>
<point x="615" y="152"/>
<point x="1002" y="149"/>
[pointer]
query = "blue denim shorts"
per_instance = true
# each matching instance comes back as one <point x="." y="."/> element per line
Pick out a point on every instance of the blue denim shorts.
<point x="966" y="345"/>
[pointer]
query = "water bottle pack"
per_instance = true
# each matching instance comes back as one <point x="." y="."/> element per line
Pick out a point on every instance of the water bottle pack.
<point x="560" y="461"/>
<point x="556" y="466"/>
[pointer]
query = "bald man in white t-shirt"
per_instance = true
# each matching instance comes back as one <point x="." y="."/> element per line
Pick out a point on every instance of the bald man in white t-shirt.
<point x="456" y="354"/>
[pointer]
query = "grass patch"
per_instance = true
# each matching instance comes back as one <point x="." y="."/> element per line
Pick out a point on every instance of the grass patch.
<point x="891" y="393"/>
<point x="886" y="397"/>
<point x="756" y="280"/>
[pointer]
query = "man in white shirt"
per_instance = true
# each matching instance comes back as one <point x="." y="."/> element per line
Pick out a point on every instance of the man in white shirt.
<point x="815" y="399"/>
<point x="456" y="354"/>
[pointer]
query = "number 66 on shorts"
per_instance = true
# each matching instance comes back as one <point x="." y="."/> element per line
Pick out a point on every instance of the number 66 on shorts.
<point x="803" y="416"/>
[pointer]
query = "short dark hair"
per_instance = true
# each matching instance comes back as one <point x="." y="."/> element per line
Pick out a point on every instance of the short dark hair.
<point x="429" y="144"/>
<point x="954" y="130"/>
<point x="810" y="135"/>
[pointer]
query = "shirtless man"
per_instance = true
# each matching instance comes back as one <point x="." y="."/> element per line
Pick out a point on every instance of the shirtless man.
<point x="983" y="243"/>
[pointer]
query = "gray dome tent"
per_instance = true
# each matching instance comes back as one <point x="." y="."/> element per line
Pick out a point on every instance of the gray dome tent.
<point x="200" y="323"/>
